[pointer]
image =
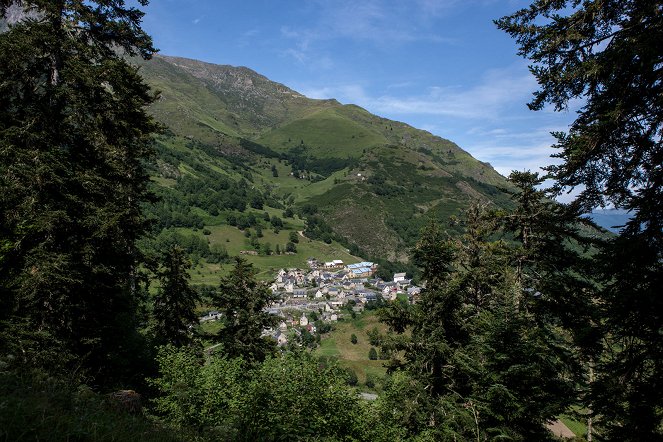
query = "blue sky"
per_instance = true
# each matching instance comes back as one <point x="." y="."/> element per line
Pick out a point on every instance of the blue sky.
<point x="438" y="65"/>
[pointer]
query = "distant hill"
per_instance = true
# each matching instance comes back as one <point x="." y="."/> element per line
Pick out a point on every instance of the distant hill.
<point x="610" y="219"/>
<point x="366" y="181"/>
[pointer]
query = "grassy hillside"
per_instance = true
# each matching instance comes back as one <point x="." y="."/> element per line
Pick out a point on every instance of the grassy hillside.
<point x="237" y="141"/>
<point x="355" y="356"/>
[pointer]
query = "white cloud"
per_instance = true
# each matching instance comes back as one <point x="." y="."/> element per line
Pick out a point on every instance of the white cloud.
<point x="381" y="22"/>
<point x="498" y="90"/>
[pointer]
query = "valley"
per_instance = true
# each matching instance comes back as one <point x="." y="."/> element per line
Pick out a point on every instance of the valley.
<point x="355" y="183"/>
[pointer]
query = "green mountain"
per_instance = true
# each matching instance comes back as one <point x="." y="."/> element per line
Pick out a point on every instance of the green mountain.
<point x="365" y="181"/>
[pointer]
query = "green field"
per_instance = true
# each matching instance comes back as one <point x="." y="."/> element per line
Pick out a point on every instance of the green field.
<point x="234" y="241"/>
<point x="355" y="356"/>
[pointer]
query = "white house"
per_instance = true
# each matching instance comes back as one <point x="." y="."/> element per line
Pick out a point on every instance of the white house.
<point x="399" y="277"/>
<point x="303" y="321"/>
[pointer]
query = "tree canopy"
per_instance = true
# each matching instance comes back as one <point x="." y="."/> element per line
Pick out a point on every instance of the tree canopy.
<point x="606" y="56"/>
<point x="74" y="136"/>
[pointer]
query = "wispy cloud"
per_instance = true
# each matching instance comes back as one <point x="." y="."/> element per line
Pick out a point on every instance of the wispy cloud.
<point x="498" y="90"/>
<point x="380" y="22"/>
<point x="247" y="37"/>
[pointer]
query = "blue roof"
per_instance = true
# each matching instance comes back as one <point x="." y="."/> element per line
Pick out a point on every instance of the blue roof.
<point x="360" y="265"/>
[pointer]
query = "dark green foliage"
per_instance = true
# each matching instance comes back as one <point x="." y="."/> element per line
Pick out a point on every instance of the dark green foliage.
<point x="613" y="147"/>
<point x="353" y="338"/>
<point x="175" y="301"/>
<point x="242" y="300"/>
<point x="289" y="397"/>
<point x="317" y="228"/>
<point x="372" y="354"/>
<point x="608" y="55"/>
<point x="258" y="148"/>
<point x="276" y="222"/>
<point x="351" y="377"/>
<point x="300" y="161"/>
<point x="40" y="406"/>
<point x="74" y="137"/>
<point x="293" y="237"/>
<point x="290" y="247"/>
<point x="257" y="202"/>
<point x="489" y="365"/>
<point x="194" y="245"/>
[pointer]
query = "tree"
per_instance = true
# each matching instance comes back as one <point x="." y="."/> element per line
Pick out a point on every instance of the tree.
<point x="74" y="137"/>
<point x="257" y="202"/>
<point x="607" y="54"/>
<point x="479" y="384"/>
<point x="353" y="338"/>
<point x="293" y="237"/>
<point x="290" y="247"/>
<point x="175" y="302"/>
<point x="242" y="301"/>
<point x="372" y="354"/>
<point x="271" y="408"/>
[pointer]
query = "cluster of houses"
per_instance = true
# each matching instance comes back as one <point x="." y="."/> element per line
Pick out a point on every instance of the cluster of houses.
<point x="323" y="290"/>
<point x="335" y="281"/>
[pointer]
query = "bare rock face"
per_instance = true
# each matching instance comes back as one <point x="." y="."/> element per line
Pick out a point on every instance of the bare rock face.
<point x="251" y="96"/>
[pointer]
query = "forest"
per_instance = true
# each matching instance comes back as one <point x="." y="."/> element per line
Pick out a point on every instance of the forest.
<point x="526" y="314"/>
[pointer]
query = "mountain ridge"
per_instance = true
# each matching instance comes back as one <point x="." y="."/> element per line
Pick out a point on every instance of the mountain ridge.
<point x="374" y="182"/>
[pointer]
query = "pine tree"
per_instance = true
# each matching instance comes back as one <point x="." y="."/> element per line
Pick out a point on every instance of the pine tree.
<point x="490" y="366"/>
<point x="242" y="301"/>
<point x="74" y="135"/>
<point x="607" y="53"/>
<point x="175" y="302"/>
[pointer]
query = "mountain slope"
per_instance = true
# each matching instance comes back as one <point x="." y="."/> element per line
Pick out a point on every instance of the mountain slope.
<point x="367" y="181"/>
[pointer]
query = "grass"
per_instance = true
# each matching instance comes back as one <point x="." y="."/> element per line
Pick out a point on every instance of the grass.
<point x="355" y="356"/>
<point x="234" y="241"/>
<point x="578" y="428"/>
<point x="348" y="140"/>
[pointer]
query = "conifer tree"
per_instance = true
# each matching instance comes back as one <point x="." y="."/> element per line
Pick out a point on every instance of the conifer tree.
<point x="608" y="55"/>
<point x="242" y="301"/>
<point x="74" y="136"/>
<point x="175" y="302"/>
<point x="490" y="367"/>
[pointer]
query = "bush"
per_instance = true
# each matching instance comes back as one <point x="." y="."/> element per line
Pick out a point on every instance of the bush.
<point x="40" y="406"/>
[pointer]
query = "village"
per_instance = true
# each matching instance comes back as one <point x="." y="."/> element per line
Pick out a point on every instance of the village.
<point x="325" y="293"/>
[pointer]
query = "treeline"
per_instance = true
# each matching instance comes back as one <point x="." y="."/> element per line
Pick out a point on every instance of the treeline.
<point x="193" y="245"/>
<point x="213" y="193"/>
